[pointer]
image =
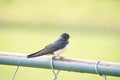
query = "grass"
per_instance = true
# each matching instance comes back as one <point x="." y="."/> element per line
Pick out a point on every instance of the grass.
<point x="84" y="44"/>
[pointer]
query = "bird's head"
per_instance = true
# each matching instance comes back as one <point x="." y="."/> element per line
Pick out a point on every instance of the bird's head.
<point x="65" y="36"/>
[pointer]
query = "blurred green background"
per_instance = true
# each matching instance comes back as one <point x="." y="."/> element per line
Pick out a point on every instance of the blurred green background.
<point x="26" y="26"/>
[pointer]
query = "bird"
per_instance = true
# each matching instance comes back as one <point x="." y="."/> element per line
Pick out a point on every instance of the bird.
<point x="55" y="48"/>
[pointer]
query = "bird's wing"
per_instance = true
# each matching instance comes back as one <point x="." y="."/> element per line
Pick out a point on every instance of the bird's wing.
<point x="49" y="49"/>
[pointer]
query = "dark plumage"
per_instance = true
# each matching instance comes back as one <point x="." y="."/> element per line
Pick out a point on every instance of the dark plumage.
<point x="55" y="48"/>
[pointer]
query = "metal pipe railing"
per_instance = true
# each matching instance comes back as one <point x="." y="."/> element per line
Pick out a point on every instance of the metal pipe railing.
<point x="67" y="64"/>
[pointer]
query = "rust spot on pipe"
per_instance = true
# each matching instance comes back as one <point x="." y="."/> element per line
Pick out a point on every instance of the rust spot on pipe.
<point x="107" y="64"/>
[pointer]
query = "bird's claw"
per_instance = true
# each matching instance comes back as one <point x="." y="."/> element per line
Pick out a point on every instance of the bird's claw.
<point x="58" y="57"/>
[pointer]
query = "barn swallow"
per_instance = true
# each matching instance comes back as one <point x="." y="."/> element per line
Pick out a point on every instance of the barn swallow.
<point x="55" y="48"/>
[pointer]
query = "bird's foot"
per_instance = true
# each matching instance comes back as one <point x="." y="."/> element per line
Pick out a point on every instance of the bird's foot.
<point x="58" y="57"/>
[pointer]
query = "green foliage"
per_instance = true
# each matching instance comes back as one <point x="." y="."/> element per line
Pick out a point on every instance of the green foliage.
<point x="75" y="13"/>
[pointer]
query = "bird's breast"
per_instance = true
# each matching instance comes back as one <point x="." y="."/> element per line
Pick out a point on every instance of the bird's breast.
<point x="61" y="50"/>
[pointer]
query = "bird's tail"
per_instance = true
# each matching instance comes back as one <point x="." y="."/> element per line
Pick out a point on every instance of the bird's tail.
<point x="36" y="54"/>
